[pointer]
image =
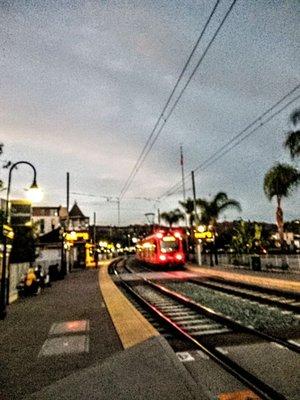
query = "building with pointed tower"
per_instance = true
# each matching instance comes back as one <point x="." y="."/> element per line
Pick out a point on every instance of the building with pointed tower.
<point x="77" y="220"/>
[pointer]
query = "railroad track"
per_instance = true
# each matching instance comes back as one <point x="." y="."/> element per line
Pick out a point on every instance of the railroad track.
<point x="275" y="298"/>
<point x="193" y="322"/>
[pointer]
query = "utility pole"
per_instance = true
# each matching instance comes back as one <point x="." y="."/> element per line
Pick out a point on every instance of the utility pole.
<point x="94" y="229"/>
<point x="119" y="211"/>
<point x="199" y="257"/>
<point x="183" y="184"/>
<point x="194" y="196"/>
<point x="63" y="267"/>
<point x="94" y="242"/>
<point x="182" y="172"/>
<point x="68" y="196"/>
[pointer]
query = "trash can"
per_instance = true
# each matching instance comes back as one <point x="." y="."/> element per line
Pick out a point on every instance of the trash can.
<point x="255" y="263"/>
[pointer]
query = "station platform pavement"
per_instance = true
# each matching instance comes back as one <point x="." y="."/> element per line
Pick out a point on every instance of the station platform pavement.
<point x="82" y="339"/>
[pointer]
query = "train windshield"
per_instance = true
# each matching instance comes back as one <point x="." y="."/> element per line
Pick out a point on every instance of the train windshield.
<point x="169" y="245"/>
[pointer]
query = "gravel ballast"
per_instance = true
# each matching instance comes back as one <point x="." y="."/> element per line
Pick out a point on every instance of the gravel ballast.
<point x="260" y="316"/>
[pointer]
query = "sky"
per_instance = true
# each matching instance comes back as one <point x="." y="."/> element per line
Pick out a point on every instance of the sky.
<point x="83" y="83"/>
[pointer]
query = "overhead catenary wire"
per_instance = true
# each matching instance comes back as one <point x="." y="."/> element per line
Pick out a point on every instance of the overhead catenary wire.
<point x="160" y="118"/>
<point x="216" y="156"/>
<point x="206" y="165"/>
<point x="222" y="150"/>
<point x="163" y="119"/>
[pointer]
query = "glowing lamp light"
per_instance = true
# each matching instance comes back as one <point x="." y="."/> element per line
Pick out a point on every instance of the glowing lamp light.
<point x="34" y="193"/>
<point x="201" y="228"/>
<point x="178" y="257"/>
<point x="159" y="235"/>
<point x="177" y="235"/>
<point x="162" y="257"/>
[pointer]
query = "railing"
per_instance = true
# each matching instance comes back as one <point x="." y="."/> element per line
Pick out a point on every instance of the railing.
<point x="268" y="262"/>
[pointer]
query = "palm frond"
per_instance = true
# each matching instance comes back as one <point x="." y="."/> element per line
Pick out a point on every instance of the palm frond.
<point x="230" y="203"/>
<point x="281" y="180"/>
<point x="292" y="143"/>
<point x="295" y="117"/>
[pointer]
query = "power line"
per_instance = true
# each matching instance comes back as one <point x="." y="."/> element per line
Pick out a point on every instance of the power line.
<point x="127" y="183"/>
<point x="206" y="165"/>
<point x="143" y="155"/>
<point x="222" y="150"/>
<point x="214" y="158"/>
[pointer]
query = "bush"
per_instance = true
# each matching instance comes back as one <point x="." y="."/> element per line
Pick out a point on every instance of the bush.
<point x="284" y="266"/>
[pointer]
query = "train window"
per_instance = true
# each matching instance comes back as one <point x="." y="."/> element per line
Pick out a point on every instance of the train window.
<point x="168" y="247"/>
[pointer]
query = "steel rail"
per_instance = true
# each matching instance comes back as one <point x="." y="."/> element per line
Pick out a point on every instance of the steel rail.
<point x="222" y="318"/>
<point x="245" y="377"/>
<point x="251" y="296"/>
<point x="258" y="288"/>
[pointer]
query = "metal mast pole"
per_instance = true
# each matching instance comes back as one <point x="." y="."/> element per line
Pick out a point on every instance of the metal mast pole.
<point x="68" y="193"/>
<point x="194" y="196"/>
<point x="182" y="172"/>
<point x="119" y="211"/>
<point x="183" y="181"/>
<point x="94" y="230"/>
<point x="199" y="256"/>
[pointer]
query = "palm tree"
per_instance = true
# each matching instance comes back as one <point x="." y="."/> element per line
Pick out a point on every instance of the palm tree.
<point x="188" y="206"/>
<point x="172" y="217"/>
<point x="210" y="210"/>
<point x="280" y="181"/>
<point x="292" y="141"/>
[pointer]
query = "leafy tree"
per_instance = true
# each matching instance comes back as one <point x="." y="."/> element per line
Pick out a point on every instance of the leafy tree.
<point x="292" y="141"/>
<point x="211" y="210"/>
<point x="279" y="182"/>
<point x="243" y="237"/>
<point x="172" y="217"/>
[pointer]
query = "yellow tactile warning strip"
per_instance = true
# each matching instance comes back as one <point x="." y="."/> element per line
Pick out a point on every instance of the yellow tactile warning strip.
<point x="274" y="283"/>
<point x="243" y="395"/>
<point x="130" y="325"/>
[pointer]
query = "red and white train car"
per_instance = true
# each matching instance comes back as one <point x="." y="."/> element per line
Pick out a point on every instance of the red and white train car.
<point x="163" y="248"/>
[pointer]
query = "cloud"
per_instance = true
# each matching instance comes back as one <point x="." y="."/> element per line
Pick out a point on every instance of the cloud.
<point x="83" y="84"/>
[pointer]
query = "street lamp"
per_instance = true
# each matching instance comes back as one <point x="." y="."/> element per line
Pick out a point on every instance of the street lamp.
<point x="35" y="195"/>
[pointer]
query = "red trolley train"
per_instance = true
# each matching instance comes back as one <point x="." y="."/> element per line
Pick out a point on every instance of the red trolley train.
<point x="162" y="248"/>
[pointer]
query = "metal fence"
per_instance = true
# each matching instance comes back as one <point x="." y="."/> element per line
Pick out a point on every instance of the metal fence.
<point x="268" y="261"/>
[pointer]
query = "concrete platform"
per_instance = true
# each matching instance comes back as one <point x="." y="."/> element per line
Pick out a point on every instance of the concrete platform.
<point x="147" y="371"/>
<point x="78" y="342"/>
<point x="288" y="282"/>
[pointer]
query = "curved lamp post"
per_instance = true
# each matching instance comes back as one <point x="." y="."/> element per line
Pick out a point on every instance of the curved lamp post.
<point x="35" y="195"/>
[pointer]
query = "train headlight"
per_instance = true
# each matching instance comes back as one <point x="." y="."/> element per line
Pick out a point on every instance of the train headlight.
<point x="178" y="256"/>
<point x="162" y="257"/>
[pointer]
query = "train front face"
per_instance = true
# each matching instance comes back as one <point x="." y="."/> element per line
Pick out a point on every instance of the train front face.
<point x="170" y="251"/>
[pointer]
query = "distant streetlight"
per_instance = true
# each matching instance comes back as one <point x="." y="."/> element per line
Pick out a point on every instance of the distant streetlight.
<point x="35" y="194"/>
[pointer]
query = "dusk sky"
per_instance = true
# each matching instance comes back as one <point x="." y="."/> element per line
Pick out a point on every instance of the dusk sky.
<point x="83" y="83"/>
